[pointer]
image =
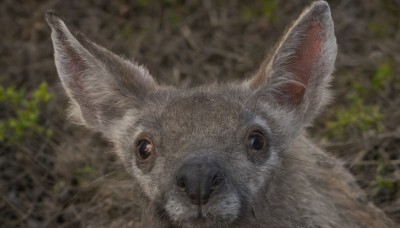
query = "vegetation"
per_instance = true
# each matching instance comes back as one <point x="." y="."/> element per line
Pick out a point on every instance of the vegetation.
<point x="21" y="115"/>
<point x="264" y="8"/>
<point x="358" y="116"/>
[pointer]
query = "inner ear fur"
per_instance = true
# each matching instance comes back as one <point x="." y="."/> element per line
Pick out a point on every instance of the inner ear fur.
<point x="297" y="73"/>
<point x="101" y="85"/>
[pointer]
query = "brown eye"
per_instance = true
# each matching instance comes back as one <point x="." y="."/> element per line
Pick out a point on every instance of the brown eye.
<point x="255" y="140"/>
<point x="144" y="149"/>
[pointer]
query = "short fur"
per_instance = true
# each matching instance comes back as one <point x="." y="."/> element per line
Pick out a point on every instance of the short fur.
<point x="289" y="183"/>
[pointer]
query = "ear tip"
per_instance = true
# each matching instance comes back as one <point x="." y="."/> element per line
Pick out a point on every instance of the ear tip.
<point x="321" y="4"/>
<point x="52" y="18"/>
<point x="319" y="11"/>
<point x="320" y="7"/>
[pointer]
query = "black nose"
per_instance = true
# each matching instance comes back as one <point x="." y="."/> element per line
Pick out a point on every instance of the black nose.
<point x="199" y="179"/>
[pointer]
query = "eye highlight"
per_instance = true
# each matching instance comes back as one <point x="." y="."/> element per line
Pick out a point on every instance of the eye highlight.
<point x="144" y="149"/>
<point x="256" y="140"/>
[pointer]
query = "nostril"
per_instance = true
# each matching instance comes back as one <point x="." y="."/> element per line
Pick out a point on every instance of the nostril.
<point x="181" y="183"/>
<point x="216" y="180"/>
<point x="194" y="198"/>
<point x="205" y="197"/>
<point x="198" y="181"/>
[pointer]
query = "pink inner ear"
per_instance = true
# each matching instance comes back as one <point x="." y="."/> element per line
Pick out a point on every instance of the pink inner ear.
<point x="302" y="63"/>
<point x="74" y="66"/>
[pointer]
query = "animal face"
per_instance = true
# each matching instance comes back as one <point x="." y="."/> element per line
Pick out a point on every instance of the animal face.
<point x="202" y="156"/>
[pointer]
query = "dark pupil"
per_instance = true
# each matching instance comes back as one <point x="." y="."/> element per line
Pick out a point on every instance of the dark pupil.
<point x="144" y="149"/>
<point x="256" y="142"/>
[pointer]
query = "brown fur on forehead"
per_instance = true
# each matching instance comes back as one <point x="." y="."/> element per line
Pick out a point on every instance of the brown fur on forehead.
<point x="191" y="112"/>
<point x="172" y="109"/>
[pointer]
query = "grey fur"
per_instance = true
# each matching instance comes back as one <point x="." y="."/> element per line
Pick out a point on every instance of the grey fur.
<point x="290" y="183"/>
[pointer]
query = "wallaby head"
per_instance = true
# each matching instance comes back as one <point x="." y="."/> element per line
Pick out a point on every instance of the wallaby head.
<point x="203" y="156"/>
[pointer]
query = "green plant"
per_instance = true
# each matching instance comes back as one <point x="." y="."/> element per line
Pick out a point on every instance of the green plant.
<point x="385" y="183"/>
<point x="59" y="186"/>
<point x="359" y="116"/>
<point x="143" y="3"/>
<point x="174" y="16"/>
<point x="378" y="28"/>
<point x="83" y="173"/>
<point x="262" y="8"/>
<point x="19" y="119"/>
<point x="382" y="76"/>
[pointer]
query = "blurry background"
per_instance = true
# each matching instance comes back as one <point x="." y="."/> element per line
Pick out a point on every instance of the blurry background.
<point x="54" y="173"/>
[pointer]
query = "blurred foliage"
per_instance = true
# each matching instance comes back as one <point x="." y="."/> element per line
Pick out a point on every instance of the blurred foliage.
<point x="378" y="28"/>
<point x="360" y="117"/>
<point x="383" y="75"/>
<point x="383" y="183"/>
<point x="262" y="8"/>
<point x="143" y="3"/>
<point x="384" y="25"/>
<point x="19" y="119"/>
<point x="59" y="186"/>
<point x="173" y="11"/>
<point x="83" y="173"/>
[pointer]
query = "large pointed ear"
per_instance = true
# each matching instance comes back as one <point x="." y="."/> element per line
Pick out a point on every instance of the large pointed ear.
<point x="101" y="85"/>
<point x="296" y="74"/>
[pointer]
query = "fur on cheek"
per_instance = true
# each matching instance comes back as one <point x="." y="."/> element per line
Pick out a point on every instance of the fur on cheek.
<point x="149" y="188"/>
